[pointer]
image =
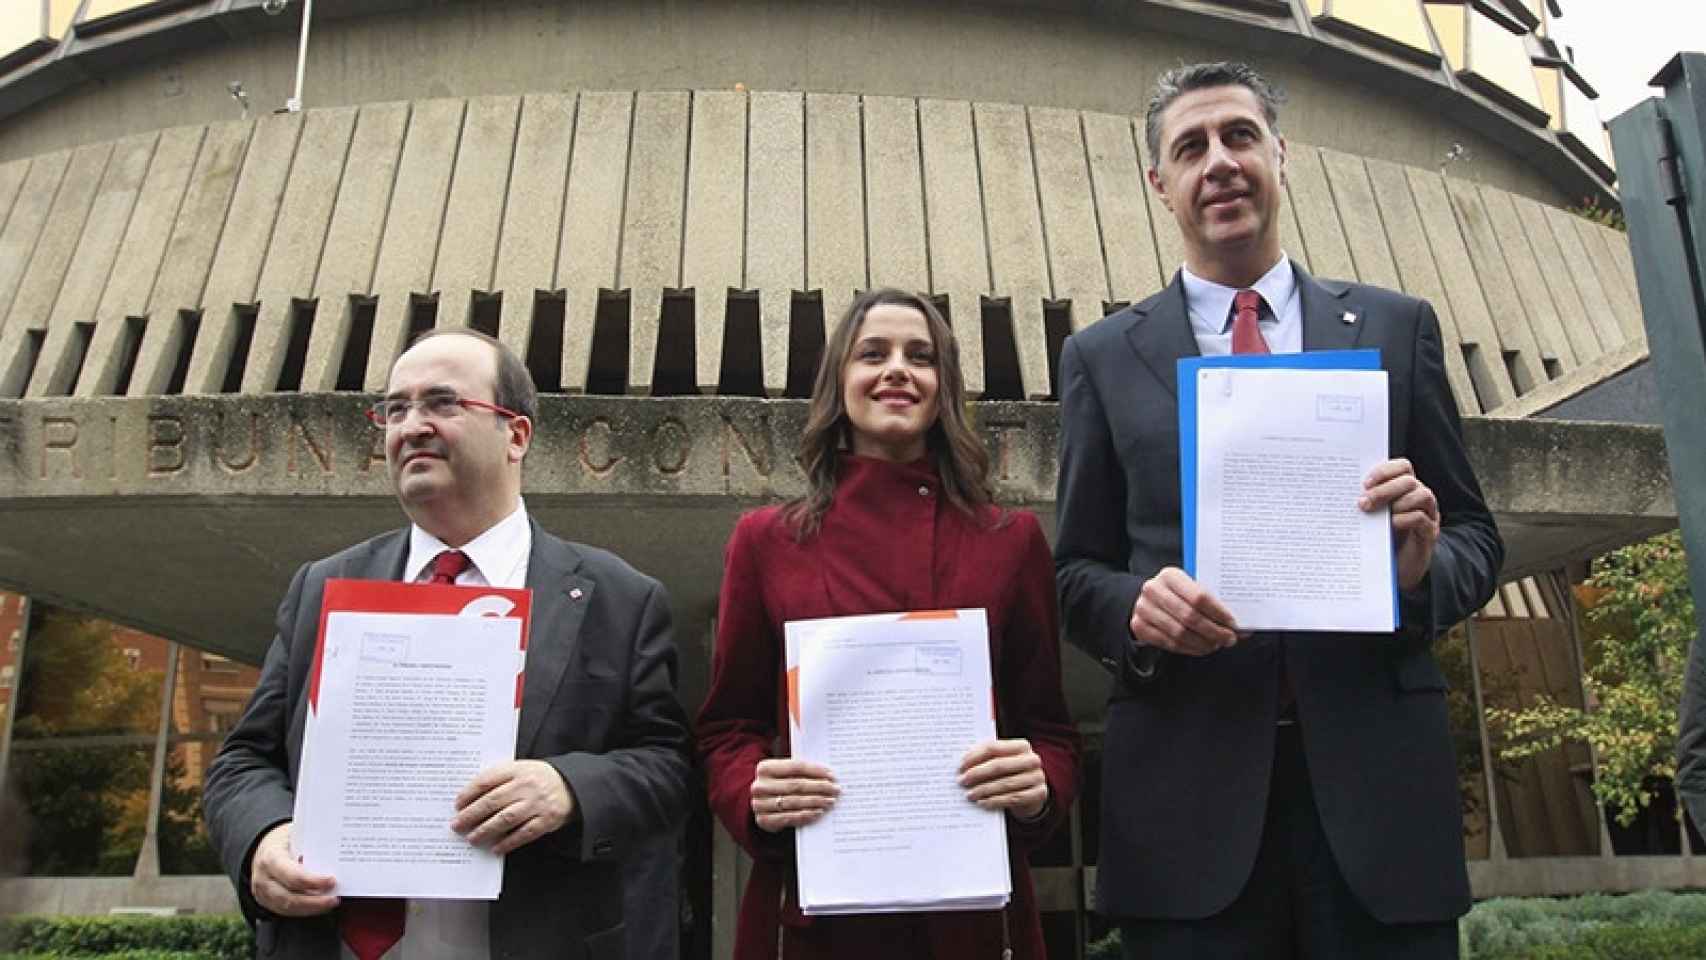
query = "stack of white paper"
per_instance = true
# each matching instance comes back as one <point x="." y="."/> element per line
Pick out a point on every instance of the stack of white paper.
<point x="890" y="704"/>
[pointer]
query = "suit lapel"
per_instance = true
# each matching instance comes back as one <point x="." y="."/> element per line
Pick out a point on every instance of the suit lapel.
<point x="1325" y="307"/>
<point x="1162" y="334"/>
<point x="560" y="601"/>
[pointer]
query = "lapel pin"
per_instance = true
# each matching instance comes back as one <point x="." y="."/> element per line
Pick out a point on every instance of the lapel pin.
<point x="575" y="594"/>
<point x="1349" y="318"/>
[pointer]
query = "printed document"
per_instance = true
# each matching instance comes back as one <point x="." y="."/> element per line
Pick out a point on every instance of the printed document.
<point x="1281" y="453"/>
<point x="415" y="688"/>
<point x="890" y="704"/>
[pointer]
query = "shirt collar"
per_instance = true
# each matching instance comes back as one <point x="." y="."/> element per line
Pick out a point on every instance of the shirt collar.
<point x="496" y="553"/>
<point x="1210" y="303"/>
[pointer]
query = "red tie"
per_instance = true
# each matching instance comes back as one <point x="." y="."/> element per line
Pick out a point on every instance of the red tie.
<point x="372" y="925"/>
<point x="1246" y="330"/>
<point x="449" y="564"/>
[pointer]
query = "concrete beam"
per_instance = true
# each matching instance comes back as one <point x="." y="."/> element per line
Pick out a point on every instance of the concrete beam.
<point x="186" y="516"/>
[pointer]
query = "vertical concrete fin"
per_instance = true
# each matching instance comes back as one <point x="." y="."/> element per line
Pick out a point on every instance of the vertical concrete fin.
<point x="1292" y="241"/>
<point x="70" y="325"/>
<point x="959" y="244"/>
<point x="1418" y="272"/>
<point x="894" y="195"/>
<point x="473" y="216"/>
<point x="351" y="250"/>
<point x="1544" y="313"/>
<point x="1353" y="198"/>
<point x="242" y="248"/>
<point x="1509" y="314"/>
<point x="1018" y="260"/>
<point x="716" y="222"/>
<point x="1625" y="300"/>
<point x="651" y="223"/>
<point x="1317" y="214"/>
<point x="1169" y="243"/>
<point x="12" y="175"/>
<point x="298" y="240"/>
<point x="592" y="223"/>
<point x="51" y="256"/>
<point x="137" y="267"/>
<point x="1468" y="307"/>
<point x="1122" y="208"/>
<point x="48" y="259"/>
<point x="1072" y="236"/>
<point x="189" y="253"/>
<point x="412" y="229"/>
<point x="533" y="214"/>
<point x="835" y="202"/>
<point x="1623" y="260"/>
<point x="1555" y="272"/>
<point x="1579" y="263"/>
<point x="775" y="222"/>
<point x="25" y="222"/>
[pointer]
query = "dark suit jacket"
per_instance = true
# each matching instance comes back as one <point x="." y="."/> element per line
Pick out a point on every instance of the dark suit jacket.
<point x="598" y="704"/>
<point x="1190" y="741"/>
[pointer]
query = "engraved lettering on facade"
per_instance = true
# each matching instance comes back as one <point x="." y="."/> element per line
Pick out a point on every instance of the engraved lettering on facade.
<point x="299" y="439"/>
<point x="60" y="434"/>
<point x="761" y="458"/>
<point x="166" y="454"/>
<point x="1001" y="432"/>
<point x="375" y="453"/>
<point x="671" y="444"/>
<point x="598" y="446"/>
<point x="247" y="462"/>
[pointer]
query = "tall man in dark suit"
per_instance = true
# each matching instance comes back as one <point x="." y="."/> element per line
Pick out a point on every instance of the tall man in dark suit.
<point x="1264" y="795"/>
<point x="603" y="738"/>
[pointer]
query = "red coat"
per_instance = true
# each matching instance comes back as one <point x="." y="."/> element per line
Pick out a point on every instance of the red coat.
<point x="889" y="542"/>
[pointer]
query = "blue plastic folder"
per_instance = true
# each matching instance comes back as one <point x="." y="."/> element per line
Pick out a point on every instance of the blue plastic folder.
<point x="1188" y="368"/>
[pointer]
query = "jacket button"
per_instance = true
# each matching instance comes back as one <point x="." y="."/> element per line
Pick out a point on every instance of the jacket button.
<point x="603" y="848"/>
<point x="924" y="491"/>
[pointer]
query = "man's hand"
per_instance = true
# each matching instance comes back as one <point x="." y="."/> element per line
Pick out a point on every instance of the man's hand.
<point x="278" y="882"/>
<point x="1415" y="516"/>
<point x="513" y="804"/>
<point x="791" y="793"/>
<point x="1174" y="613"/>
<point x="1005" y="775"/>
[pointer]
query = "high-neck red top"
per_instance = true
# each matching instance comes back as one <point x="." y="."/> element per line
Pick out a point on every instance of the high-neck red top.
<point x="889" y="542"/>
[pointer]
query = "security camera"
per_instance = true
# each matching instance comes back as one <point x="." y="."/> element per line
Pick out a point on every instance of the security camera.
<point x="273" y="8"/>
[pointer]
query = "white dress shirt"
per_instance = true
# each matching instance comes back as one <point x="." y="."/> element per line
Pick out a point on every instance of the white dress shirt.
<point x="1210" y="307"/>
<point x="435" y="929"/>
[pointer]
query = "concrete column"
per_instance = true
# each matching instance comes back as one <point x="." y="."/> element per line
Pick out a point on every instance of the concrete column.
<point x="1567" y="603"/>
<point x="148" y="860"/>
<point x="1495" y="838"/>
<point x="12" y="701"/>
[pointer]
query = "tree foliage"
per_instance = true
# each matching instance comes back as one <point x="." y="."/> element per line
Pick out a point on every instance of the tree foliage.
<point x="1641" y="620"/>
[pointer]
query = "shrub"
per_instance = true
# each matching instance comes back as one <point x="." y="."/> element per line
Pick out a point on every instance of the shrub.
<point x="1592" y="926"/>
<point x="140" y="938"/>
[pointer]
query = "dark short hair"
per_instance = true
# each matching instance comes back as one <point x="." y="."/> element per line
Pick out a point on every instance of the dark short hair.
<point x="514" y="387"/>
<point x="1186" y="77"/>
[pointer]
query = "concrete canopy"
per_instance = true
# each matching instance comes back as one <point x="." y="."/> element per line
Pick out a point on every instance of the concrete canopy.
<point x="187" y="516"/>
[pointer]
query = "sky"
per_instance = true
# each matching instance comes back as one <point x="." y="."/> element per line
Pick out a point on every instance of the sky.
<point x="1620" y="44"/>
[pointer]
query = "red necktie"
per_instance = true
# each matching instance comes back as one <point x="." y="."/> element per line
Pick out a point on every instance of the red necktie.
<point x="1247" y="338"/>
<point x="1246" y="328"/>
<point x="373" y="925"/>
<point x="449" y="564"/>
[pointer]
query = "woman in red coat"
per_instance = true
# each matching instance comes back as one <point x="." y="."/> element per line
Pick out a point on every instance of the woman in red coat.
<point x="898" y="515"/>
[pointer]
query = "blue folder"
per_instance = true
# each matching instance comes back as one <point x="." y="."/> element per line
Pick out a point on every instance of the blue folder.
<point x="1188" y="368"/>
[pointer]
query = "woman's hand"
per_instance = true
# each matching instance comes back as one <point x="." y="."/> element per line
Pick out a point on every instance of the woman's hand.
<point x="791" y="793"/>
<point x="1005" y="775"/>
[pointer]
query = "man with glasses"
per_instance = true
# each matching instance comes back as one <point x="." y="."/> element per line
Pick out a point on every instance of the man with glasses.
<point x="603" y="740"/>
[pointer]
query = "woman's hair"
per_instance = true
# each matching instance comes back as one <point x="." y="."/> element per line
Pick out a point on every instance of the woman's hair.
<point x="956" y="451"/>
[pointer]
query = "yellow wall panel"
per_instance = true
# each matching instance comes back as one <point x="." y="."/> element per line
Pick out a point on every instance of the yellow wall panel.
<point x="1501" y="57"/>
<point x="1399" y="20"/>
<point x="20" y="23"/>
<point x="106" y="8"/>
<point x="59" y="16"/>
<point x="1551" y="97"/>
<point x="1448" y="19"/>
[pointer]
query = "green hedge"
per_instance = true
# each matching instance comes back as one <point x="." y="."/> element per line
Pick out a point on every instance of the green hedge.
<point x="1619" y="942"/>
<point x="1509" y="929"/>
<point x="135" y="938"/>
